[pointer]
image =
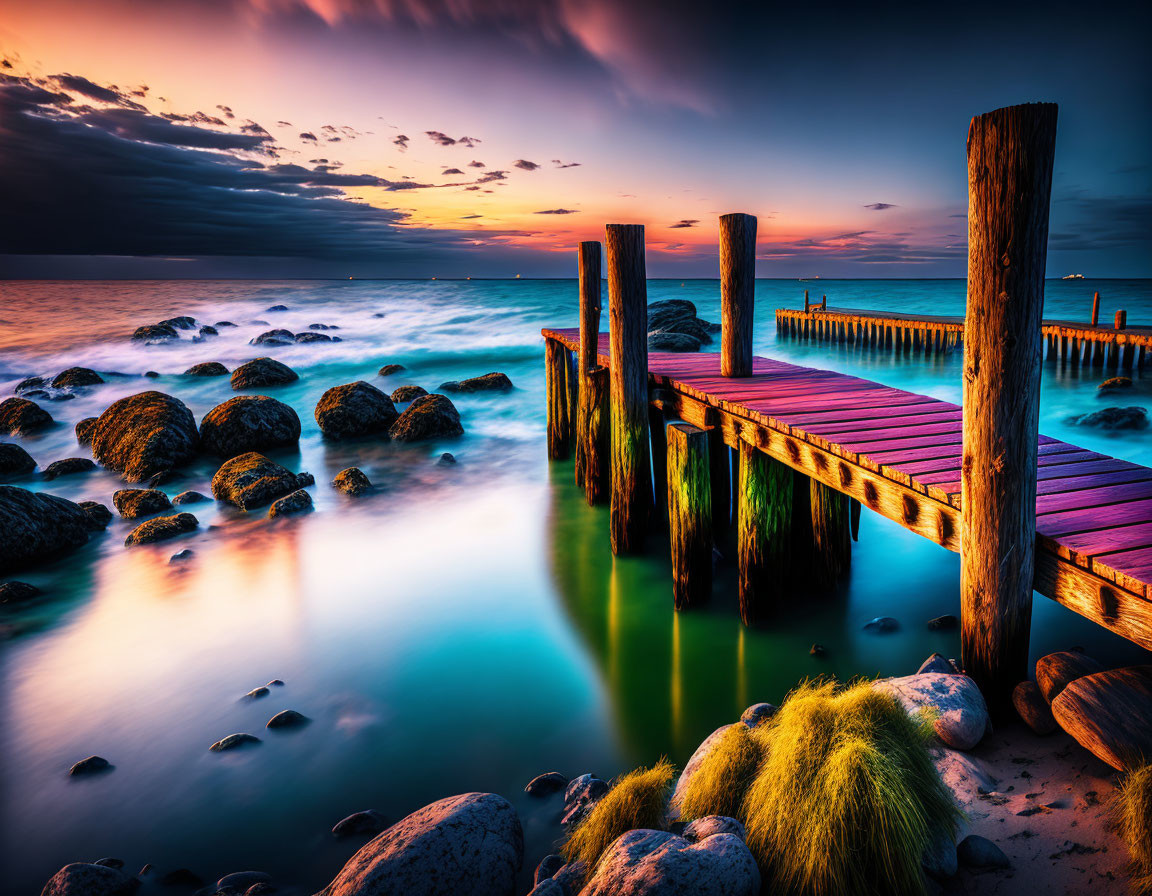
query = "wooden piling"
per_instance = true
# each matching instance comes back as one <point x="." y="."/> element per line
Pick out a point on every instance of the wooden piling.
<point x="1121" y="319"/>
<point x="556" y="389"/>
<point x="1095" y="308"/>
<point x="737" y="292"/>
<point x="589" y="268"/>
<point x="1010" y="156"/>
<point x="721" y="480"/>
<point x="831" y="533"/>
<point x="764" y="531"/>
<point x="689" y="497"/>
<point x="628" y="339"/>
<point x="593" y="432"/>
<point x="656" y="429"/>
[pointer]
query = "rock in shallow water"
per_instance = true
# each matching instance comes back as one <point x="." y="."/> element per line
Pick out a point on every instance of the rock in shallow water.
<point x="355" y="409"/>
<point x="80" y="879"/>
<point x="91" y="765"/>
<point x="274" y="337"/>
<point x="233" y="741"/>
<point x="428" y="417"/>
<point x="35" y="527"/>
<point x="297" y="502"/>
<point x="252" y="480"/>
<point x="261" y="372"/>
<point x="21" y="417"/>
<point x="672" y="342"/>
<point x="84" y="430"/>
<point x="467" y="845"/>
<point x="549" y="782"/>
<point x="154" y="333"/>
<point x="98" y="515"/>
<point x="134" y="503"/>
<point x="288" y="718"/>
<point x="359" y="823"/>
<point x="1113" y="418"/>
<point x="937" y="663"/>
<point x="77" y="376"/>
<point x="161" y="528"/>
<point x="67" y="467"/>
<point x="15" y="593"/>
<point x="208" y="368"/>
<point x="352" y="482"/>
<point x="145" y="434"/>
<point x="656" y="863"/>
<point x="488" y="382"/>
<point x="945" y="623"/>
<point x="189" y="497"/>
<point x="14" y="460"/>
<point x="389" y="369"/>
<point x="407" y="393"/>
<point x="961" y="714"/>
<point x="248" y="423"/>
<point x="881" y="625"/>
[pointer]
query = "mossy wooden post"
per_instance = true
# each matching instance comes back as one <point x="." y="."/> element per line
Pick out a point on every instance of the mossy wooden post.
<point x="556" y="389"/>
<point x="737" y="292"/>
<point x="764" y="531"/>
<point x="589" y="260"/>
<point x="831" y="533"/>
<point x="854" y="519"/>
<point x="1010" y="155"/>
<point x="689" y="499"/>
<point x="628" y="340"/>
<point x="594" y="433"/>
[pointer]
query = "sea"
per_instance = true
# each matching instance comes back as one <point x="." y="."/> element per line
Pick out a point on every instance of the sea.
<point x="465" y="628"/>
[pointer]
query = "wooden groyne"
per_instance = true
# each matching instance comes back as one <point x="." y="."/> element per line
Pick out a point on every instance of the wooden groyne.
<point x="1112" y="346"/>
<point x="789" y="454"/>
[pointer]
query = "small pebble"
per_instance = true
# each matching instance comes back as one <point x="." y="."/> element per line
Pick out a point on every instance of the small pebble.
<point x="181" y="556"/>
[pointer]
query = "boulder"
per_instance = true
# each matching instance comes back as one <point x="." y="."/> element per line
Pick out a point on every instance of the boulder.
<point x="881" y="625"/>
<point x="1115" y="384"/>
<point x="428" y="417"/>
<point x="208" y="368"/>
<point x="274" y="337"/>
<point x="945" y="623"/>
<point x="690" y="769"/>
<point x="81" y="879"/>
<point x="1055" y="671"/>
<point x="257" y="693"/>
<point x="703" y="828"/>
<point x="367" y="822"/>
<point x="981" y="853"/>
<point x="35" y="527"/>
<point x="251" y="480"/>
<point x="14" y="460"/>
<point x="548" y="866"/>
<point x="134" y="503"/>
<point x="389" y="369"/>
<point x="1113" y="418"/>
<point x="21" y="417"/>
<point x="183" y="322"/>
<point x="84" y="430"/>
<point x="489" y="382"/>
<point x="323" y="327"/>
<point x="288" y="718"/>
<point x="261" y="372"/>
<point x="355" y="409"/>
<point x="90" y="766"/>
<point x="446" y="460"/>
<point x="155" y="333"/>
<point x="939" y="858"/>
<point x="233" y="741"/>
<point x="276" y="308"/>
<point x="67" y="467"/>
<point x="248" y="423"/>
<point x="315" y="337"/>
<point x="817" y="650"/>
<point x="937" y="663"/>
<point x="661" y="341"/>
<point x="76" y="376"/>
<point x="467" y="845"/>
<point x="656" y="863"/>
<point x="297" y="502"/>
<point x="14" y="593"/>
<point x="669" y="311"/>
<point x="961" y="714"/>
<point x="98" y="515"/>
<point x="352" y="482"/>
<point x="221" y="324"/>
<point x="1033" y="708"/>
<point x="207" y="330"/>
<point x="145" y="434"/>
<point x="757" y="713"/>
<point x="580" y="796"/>
<point x="190" y="497"/>
<point x="181" y="556"/>
<point x="407" y="393"/>
<point x="32" y="383"/>
<point x="1110" y="714"/>
<point x="161" y="528"/>
<point x="545" y="784"/>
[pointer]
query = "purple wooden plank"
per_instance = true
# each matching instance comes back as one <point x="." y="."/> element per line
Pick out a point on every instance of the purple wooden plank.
<point x="1093" y="497"/>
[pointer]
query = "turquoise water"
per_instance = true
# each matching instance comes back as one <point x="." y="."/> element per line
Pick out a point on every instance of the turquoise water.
<point x="465" y="629"/>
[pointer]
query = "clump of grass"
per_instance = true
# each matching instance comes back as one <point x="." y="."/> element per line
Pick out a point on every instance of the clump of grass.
<point x="718" y="785"/>
<point x="1132" y="807"/>
<point x="638" y="799"/>
<point x="847" y="798"/>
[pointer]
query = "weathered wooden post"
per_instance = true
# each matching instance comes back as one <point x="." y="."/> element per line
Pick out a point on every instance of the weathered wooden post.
<point x="1121" y="319"/>
<point x="556" y="388"/>
<point x="589" y="264"/>
<point x="1095" y="308"/>
<point x="806" y="303"/>
<point x="831" y="533"/>
<point x="1010" y="155"/>
<point x="628" y="354"/>
<point x="656" y="428"/>
<point x="737" y="292"/>
<point x="689" y="514"/>
<point x="764" y="531"/>
<point x="594" y="433"/>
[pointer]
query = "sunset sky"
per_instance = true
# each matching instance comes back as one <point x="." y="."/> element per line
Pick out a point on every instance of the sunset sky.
<point x="450" y="138"/>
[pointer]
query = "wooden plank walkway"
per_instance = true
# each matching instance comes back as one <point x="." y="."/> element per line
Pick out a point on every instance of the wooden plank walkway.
<point x="899" y="453"/>
<point x="1069" y="341"/>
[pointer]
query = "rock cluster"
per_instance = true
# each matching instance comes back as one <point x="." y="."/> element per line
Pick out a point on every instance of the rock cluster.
<point x="252" y="480"/>
<point x="673" y="326"/>
<point x="489" y="382"/>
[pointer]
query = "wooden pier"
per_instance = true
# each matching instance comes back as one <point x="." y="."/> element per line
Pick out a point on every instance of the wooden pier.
<point x="1114" y="346"/>
<point x="789" y="454"/>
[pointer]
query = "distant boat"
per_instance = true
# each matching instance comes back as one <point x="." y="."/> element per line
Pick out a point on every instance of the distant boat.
<point x="517" y="276"/>
<point x="1072" y="277"/>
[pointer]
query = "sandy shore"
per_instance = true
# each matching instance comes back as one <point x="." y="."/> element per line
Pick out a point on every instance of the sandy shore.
<point x="1046" y="808"/>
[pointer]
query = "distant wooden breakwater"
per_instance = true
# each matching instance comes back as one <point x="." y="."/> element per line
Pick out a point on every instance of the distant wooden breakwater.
<point x="787" y="455"/>
<point x="1117" y="346"/>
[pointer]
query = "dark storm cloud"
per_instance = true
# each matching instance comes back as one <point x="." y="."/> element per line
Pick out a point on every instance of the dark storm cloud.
<point x="135" y="184"/>
<point x="557" y="211"/>
<point x="525" y="165"/>
<point x="308" y="135"/>
<point x="92" y="90"/>
<point x="880" y="206"/>
<point x="685" y="222"/>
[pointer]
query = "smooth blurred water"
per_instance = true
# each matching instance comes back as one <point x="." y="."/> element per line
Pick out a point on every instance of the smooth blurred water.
<point x="465" y="629"/>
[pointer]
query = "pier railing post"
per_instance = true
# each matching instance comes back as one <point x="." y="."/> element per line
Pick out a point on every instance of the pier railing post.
<point x="628" y="339"/>
<point x="1010" y="156"/>
<point x="589" y="261"/>
<point x="689" y="514"/>
<point x="737" y="292"/>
